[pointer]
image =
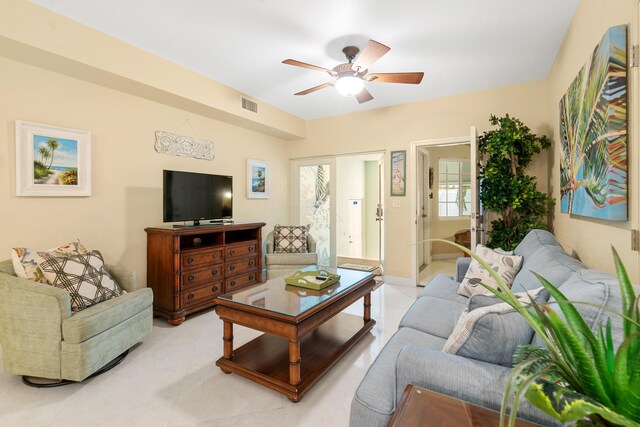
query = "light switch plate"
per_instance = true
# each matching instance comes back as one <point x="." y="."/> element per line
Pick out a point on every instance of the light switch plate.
<point x="396" y="204"/>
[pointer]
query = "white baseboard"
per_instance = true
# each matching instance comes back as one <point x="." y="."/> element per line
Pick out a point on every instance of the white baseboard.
<point x="453" y="255"/>
<point x="395" y="280"/>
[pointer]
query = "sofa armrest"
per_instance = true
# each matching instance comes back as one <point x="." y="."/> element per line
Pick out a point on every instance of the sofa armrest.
<point x="126" y="278"/>
<point x="466" y="379"/>
<point x="18" y="294"/>
<point x="462" y="265"/>
<point x="311" y="244"/>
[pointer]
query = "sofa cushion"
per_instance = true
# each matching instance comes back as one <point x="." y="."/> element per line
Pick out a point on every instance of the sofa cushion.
<point x="26" y="261"/>
<point x="593" y="287"/>
<point x="533" y="241"/>
<point x="102" y="317"/>
<point x="290" y="239"/>
<point x="505" y="266"/>
<point x="444" y="287"/>
<point x="377" y="391"/>
<point x="291" y="259"/>
<point x="551" y="262"/>
<point x="433" y="315"/>
<point x="490" y="333"/>
<point x="84" y="276"/>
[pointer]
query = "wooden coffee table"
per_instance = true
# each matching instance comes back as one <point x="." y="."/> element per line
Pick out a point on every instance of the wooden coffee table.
<point x="305" y="331"/>
<point x="425" y="408"/>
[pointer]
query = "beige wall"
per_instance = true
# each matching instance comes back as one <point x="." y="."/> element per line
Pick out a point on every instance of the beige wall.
<point x="590" y="239"/>
<point x="127" y="172"/>
<point x="443" y="228"/>
<point x="395" y="128"/>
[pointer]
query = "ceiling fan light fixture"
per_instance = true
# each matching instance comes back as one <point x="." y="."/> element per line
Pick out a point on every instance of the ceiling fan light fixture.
<point x="349" y="85"/>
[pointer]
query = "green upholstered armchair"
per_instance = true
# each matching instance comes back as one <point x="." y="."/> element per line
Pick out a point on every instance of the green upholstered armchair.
<point x="41" y="337"/>
<point x="280" y="264"/>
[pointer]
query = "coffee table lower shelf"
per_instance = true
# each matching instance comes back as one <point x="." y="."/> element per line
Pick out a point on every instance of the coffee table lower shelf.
<point x="265" y="359"/>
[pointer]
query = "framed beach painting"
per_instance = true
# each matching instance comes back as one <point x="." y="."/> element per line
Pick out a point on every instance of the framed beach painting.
<point x="398" y="173"/>
<point x="258" y="180"/>
<point x="52" y="161"/>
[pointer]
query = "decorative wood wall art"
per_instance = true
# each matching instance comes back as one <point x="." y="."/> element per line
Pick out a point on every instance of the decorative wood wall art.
<point x="184" y="146"/>
<point x="593" y="132"/>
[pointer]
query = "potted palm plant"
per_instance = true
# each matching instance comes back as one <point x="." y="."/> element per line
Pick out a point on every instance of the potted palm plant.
<point x="580" y="377"/>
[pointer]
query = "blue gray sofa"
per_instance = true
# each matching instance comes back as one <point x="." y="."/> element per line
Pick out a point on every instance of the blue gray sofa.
<point x="413" y="354"/>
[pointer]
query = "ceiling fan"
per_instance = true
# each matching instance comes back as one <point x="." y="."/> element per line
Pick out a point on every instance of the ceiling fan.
<point x="349" y="78"/>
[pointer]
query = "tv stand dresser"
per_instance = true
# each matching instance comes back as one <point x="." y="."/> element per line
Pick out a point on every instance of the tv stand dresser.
<point x="188" y="267"/>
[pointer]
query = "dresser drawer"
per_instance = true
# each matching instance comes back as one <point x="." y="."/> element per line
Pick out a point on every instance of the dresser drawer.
<point x="240" y="250"/>
<point x="203" y="295"/>
<point x="239" y="282"/>
<point x="196" y="259"/>
<point x="198" y="278"/>
<point x="240" y="266"/>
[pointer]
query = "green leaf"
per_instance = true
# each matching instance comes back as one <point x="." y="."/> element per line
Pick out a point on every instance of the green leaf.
<point x="628" y="295"/>
<point x="566" y="405"/>
<point x="628" y="394"/>
<point x="581" y="361"/>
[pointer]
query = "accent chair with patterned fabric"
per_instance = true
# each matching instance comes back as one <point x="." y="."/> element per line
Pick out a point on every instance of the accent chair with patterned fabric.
<point x="43" y="335"/>
<point x="288" y="249"/>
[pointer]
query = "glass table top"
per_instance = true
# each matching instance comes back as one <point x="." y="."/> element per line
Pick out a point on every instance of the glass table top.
<point x="274" y="295"/>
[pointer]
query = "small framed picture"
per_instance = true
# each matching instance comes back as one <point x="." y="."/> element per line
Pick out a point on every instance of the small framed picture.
<point x="398" y="173"/>
<point x="52" y="161"/>
<point x="258" y="180"/>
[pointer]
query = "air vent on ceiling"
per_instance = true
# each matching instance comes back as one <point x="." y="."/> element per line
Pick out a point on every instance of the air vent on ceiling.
<point x="249" y="105"/>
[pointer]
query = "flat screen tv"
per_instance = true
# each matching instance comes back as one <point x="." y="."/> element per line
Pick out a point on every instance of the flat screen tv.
<point x="189" y="196"/>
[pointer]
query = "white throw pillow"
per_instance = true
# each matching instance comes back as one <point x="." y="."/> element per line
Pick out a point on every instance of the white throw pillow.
<point x="505" y="266"/>
<point x="25" y="260"/>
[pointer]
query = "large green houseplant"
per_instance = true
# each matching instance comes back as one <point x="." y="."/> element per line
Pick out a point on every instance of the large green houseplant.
<point x="579" y="376"/>
<point x="505" y="188"/>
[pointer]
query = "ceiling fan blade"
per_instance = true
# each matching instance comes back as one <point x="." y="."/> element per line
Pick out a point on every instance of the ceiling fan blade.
<point x="305" y="65"/>
<point x="370" y="54"/>
<point x="408" y="78"/>
<point x="363" y="96"/>
<point x="315" y="88"/>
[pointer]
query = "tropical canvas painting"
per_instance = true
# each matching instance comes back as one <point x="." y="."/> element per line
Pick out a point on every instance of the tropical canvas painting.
<point x="593" y="132"/>
<point x="55" y="161"/>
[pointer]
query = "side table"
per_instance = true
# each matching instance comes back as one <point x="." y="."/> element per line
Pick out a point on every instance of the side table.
<point x="425" y="408"/>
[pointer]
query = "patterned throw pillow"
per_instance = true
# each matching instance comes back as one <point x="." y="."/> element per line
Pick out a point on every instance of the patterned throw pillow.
<point x="506" y="266"/>
<point x="84" y="276"/>
<point x="25" y="260"/>
<point x="290" y="239"/>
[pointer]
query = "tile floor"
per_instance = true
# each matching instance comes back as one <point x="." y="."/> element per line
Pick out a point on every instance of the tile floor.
<point x="170" y="380"/>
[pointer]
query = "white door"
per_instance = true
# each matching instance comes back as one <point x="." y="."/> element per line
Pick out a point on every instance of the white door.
<point x="313" y="186"/>
<point x="476" y="217"/>
<point x="355" y="219"/>
<point x="423" y="202"/>
<point x="380" y="210"/>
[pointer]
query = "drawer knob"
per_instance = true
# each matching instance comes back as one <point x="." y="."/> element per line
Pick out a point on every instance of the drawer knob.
<point x="192" y="277"/>
<point x="251" y="277"/>
<point x="190" y="260"/>
<point x="214" y="289"/>
<point x="251" y="263"/>
<point x="233" y="283"/>
<point x="190" y="296"/>
<point x="214" y="272"/>
<point x="232" y="252"/>
<point x="252" y="248"/>
<point x="215" y="256"/>
<point x="232" y="267"/>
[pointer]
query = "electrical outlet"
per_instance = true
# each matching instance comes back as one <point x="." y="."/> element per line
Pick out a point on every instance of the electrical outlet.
<point x="395" y="204"/>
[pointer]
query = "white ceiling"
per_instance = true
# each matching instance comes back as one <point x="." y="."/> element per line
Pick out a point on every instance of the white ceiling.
<point x="461" y="45"/>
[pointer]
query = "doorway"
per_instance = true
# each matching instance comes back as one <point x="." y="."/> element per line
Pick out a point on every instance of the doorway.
<point x="444" y="203"/>
<point x="340" y="198"/>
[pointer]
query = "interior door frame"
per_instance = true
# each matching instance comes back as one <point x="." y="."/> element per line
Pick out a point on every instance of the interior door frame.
<point x="422" y="170"/>
<point x="413" y="184"/>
